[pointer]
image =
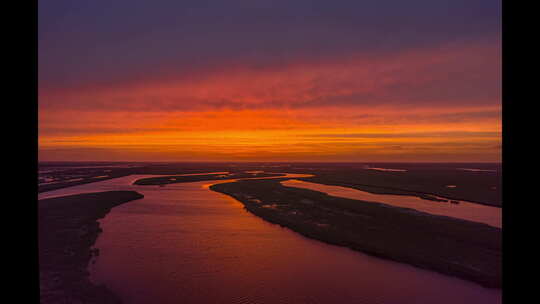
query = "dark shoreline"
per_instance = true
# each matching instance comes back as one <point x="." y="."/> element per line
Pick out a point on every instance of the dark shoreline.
<point x="420" y="179"/>
<point x="391" y="190"/>
<point x="61" y="185"/>
<point x="460" y="248"/>
<point x="68" y="228"/>
<point x="173" y="179"/>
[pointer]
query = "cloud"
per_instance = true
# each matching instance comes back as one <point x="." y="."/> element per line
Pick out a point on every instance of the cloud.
<point x="458" y="134"/>
<point x="455" y="75"/>
<point x="275" y="80"/>
<point x="103" y="42"/>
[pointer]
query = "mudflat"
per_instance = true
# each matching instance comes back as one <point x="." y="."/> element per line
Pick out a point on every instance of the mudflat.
<point x="68" y="228"/>
<point x="451" y="246"/>
<point x="164" y="180"/>
<point x="452" y="181"/>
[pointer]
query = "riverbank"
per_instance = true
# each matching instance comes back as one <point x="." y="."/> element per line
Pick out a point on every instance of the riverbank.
<point x="477" y="187"/>
<point x="451" y="181"/>
<point x="393" y="191"/>
<point x="173" y="179"/>
<point x="68" y="228"/>
<point x="82" y="181"/>
<point x="451" y="246"/>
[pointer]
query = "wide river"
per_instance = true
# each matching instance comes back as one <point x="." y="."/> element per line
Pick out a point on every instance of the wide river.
<point x="184" y="243"/>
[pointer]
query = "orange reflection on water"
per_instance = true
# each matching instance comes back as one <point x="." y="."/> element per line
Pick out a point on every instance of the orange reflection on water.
<point x="183" y="240"/>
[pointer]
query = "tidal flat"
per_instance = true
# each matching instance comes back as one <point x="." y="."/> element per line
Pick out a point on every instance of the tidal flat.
<point x="461" y="248"/>
<point x="188" y="178"/>
<point x="68" y="229"/>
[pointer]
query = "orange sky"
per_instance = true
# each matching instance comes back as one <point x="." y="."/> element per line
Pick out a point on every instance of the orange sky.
<point x="438" y="104"/>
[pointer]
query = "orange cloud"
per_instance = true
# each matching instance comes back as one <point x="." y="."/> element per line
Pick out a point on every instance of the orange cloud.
<point x="439" y="104"/>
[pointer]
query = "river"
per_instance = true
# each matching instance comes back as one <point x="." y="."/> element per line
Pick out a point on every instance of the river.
<point x="184" y="243"/>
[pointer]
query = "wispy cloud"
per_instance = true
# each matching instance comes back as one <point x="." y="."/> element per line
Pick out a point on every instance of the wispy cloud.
<point x="277" y="80"/>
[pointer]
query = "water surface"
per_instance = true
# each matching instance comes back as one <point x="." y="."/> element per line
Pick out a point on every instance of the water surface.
<point x="184" y="243"/>
<point x="464" y="210"/>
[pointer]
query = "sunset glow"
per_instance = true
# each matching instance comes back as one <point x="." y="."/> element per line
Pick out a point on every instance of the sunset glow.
<point x="438" y="100"/>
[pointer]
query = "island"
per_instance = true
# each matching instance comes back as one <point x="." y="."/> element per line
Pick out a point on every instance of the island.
<point x="164" y="180"/>
<point x="461" y="248"/>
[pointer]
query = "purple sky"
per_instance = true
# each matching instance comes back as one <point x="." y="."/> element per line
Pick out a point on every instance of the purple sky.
<point x="150" y="76"/>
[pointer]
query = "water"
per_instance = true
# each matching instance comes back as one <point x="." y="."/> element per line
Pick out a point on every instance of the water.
<point x="184" y="243"/>
<point x="476" y="170"/>
<point x="386" y="169"/>
<point x="464" y="210"/>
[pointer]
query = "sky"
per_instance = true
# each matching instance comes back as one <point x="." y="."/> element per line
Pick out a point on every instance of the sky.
<point x="239" y="80"/>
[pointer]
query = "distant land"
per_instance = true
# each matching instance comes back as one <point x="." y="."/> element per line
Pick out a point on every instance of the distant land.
<point x="421" y="178"/>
